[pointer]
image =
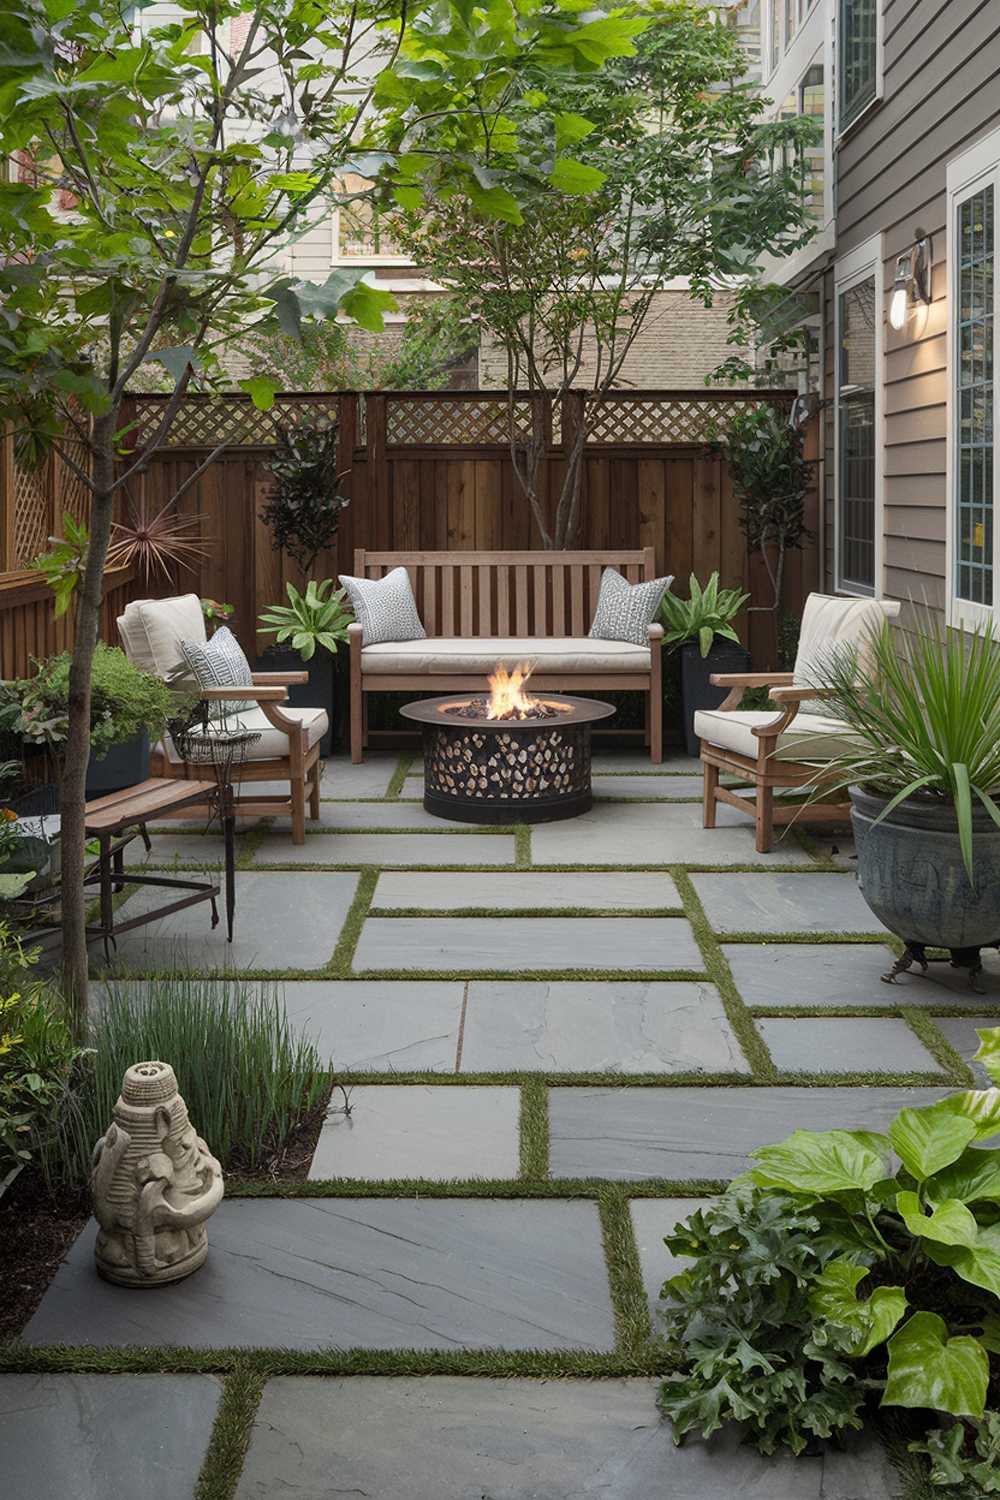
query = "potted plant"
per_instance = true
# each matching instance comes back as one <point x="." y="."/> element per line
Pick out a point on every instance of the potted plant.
<point x="850" y="1274"/>
<point x="924" y="781"/>
<point x="317" y="618"/>
<point x="127" y="707"/>
<point x="702" y="627"/>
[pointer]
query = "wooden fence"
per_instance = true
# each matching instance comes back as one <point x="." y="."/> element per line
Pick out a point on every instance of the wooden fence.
<point x="432" y="471"/>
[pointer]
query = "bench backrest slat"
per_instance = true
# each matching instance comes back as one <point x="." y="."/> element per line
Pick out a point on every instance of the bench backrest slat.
<point x="472" y="594"/>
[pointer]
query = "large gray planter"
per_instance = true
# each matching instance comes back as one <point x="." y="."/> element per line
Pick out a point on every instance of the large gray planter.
<point x="911" y="872"/>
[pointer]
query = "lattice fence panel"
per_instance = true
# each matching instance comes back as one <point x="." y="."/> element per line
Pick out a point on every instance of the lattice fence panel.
<point x="227" y="419"/>
<point x="31" y="514"/>
<point x="672" y="419"/>
<point x="445" y="421"/>
<point x="71" y="493"/>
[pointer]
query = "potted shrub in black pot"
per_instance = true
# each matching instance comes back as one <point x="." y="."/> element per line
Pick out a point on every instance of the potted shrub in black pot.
<point x="128" y="708"/>
<point x="924" y="783"/>
<point x="702" y="628"/>
<point x="303" y="513"/>
<point x="317" y="618"/>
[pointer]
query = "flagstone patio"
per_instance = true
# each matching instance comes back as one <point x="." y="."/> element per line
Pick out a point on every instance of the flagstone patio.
<point x="553" y="1043"/>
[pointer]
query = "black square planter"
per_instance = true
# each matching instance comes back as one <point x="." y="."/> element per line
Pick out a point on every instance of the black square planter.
<point x="696" y="690"/>
<point x="318" y="692"/>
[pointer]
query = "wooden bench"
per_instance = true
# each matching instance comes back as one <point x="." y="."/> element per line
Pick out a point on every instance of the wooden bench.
<point x="480" y="608"/>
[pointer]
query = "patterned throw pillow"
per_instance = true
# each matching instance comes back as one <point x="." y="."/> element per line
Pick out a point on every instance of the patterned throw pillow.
<point x="220" y="662"/>
<point x="626" y="610"/>
<point x="385" y="607"/>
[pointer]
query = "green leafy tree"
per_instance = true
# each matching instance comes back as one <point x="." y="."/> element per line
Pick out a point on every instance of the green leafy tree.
<point x="154" y="174"/>
<point x="591" y="194"/>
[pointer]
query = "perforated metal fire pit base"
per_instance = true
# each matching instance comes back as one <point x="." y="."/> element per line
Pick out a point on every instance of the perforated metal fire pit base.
<point x="508" y="770"/>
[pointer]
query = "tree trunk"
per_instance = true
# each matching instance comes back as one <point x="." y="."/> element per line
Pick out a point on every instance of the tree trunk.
<point x="76" y="756"/>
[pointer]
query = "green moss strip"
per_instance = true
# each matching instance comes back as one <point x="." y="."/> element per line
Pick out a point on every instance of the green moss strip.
<point x="956" y="1068"/>
<point x="476" y="1187"/>
<point x="739" y="1017"/>
<point x="231" y="1431"/>
<point x="522" y="846"/>
<point x="628" y="1295"/>
<point x="534" y="1131"/>
<point x="397" y="780"/>
<point x="343" y="955"/>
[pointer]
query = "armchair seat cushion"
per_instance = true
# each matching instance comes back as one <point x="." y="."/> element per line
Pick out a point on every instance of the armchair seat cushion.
<point x="809" y="737"/>
<point x="440" y="655"/>
<point x="273" y="742"/>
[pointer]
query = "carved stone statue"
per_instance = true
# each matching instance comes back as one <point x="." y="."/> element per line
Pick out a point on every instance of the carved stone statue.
<point x="154" y="1183"/>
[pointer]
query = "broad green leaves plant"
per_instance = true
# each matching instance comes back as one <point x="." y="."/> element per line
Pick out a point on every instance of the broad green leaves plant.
<point x="315" y="618"/>
<point x="709" y="612"/>
<point x="879" y="1272"/>
<point x="63" y="565"/>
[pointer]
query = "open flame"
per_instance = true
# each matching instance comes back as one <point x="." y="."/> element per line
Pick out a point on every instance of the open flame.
<point x="507" y="697"/>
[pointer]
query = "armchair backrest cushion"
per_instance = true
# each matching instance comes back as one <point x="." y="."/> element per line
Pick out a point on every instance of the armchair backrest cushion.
<point x="831" y="626"/>
<point x="151" y="632"/>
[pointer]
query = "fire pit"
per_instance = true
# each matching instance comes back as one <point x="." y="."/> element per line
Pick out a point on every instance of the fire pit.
<point x="505" y="756"/>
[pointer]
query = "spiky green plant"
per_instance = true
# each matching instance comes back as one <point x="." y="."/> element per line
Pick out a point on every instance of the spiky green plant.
<point x="709" y="612"/>
<point x="315" y="618"/>
<point x="925" y="712"/>
<point x="247" y="1078"/>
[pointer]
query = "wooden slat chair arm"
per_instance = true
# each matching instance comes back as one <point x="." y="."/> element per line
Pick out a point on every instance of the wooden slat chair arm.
<point x="256" y="694"/>
<point x="279" y="679"/>
<point x="738" y="682"/>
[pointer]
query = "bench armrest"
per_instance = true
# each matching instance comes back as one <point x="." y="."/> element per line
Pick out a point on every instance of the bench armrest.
<point x="655" y="631"/>
<point x="751" y="679"/>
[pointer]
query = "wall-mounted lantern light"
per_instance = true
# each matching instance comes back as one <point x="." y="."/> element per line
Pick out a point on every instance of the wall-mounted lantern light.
<point x="913" y="278"/>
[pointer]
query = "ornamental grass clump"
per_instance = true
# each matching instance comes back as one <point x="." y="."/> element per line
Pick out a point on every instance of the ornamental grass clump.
<point x="850" y="1272"/>
<point x="248" y="1080"/>
<point x="926" y="717"/>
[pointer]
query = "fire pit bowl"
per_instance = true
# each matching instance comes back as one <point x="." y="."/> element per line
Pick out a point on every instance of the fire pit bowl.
<point x="531" y="770"/>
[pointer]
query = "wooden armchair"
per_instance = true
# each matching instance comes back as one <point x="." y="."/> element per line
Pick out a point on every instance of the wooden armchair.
<point x="289" y="744"/>
<point x="788" y="749"/>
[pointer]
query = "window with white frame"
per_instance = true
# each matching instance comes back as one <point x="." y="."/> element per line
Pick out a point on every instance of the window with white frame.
<point x="857" y="418"/>
<point x="857" y="53"/>
<point x="974" y="215"/>
<point x="362" y="232"/>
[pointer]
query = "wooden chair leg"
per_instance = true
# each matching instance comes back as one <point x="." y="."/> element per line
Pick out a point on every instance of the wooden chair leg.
<point x="711" y="780"/>
<point x="298" y="810"/>
<point x="314" y="790"/>
<point x="357" y="750"/>
<point x="764" y="818"/>
<point x="656" y="724"/>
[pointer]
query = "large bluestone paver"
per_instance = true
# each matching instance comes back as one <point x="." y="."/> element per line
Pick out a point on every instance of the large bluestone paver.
<point x="349" y="817"/>
<point x="776" y="902"/>
<point x="387" y="849"/>
<point x="431" y="944"/>
<point x="193" y="847"/>
<point x="623" y="834"/>
<point x="687" y="1133"/>
<point x="381" y="1024"/>
<point x="324" y="1273"/>
<point x="344" y="781"/>
<point x="418" y="1131"/>
<point x="857" y="1044"/>
<point x="960" y="1031"/>
<point x="652" y="1218"/>
<point x="283" y="922"/>
<point x="598" y="1026"/>
<point x="805" y="974"/>
<point x="526" y="890"/>
<point x="104" y="1437"/>
<point x="519" y="1439"/>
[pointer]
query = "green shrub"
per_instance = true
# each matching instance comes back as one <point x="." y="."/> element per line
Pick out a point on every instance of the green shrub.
<point x="848" y="1268"/>
<point x="248" y="1082"/>
<point x="124" y="701"/>
<point x="37" y="1054"/>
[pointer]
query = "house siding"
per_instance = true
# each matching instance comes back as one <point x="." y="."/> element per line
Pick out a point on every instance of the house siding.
<point x="941" y="93"/>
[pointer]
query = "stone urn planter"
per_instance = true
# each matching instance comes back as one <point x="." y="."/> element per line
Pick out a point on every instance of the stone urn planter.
<point x="912" y="875"/>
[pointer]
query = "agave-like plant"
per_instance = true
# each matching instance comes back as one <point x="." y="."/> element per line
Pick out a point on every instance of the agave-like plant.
<point x="155" y="541"/>
<point x="315" y="618"/>
<point x="709" y="612"/>
<point x="925" y="712"/>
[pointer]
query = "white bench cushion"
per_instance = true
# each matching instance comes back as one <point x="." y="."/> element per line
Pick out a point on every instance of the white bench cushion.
<point x="809" y="738"/>
<point x="441" y="655"/>
<point x="273" y="742"/>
